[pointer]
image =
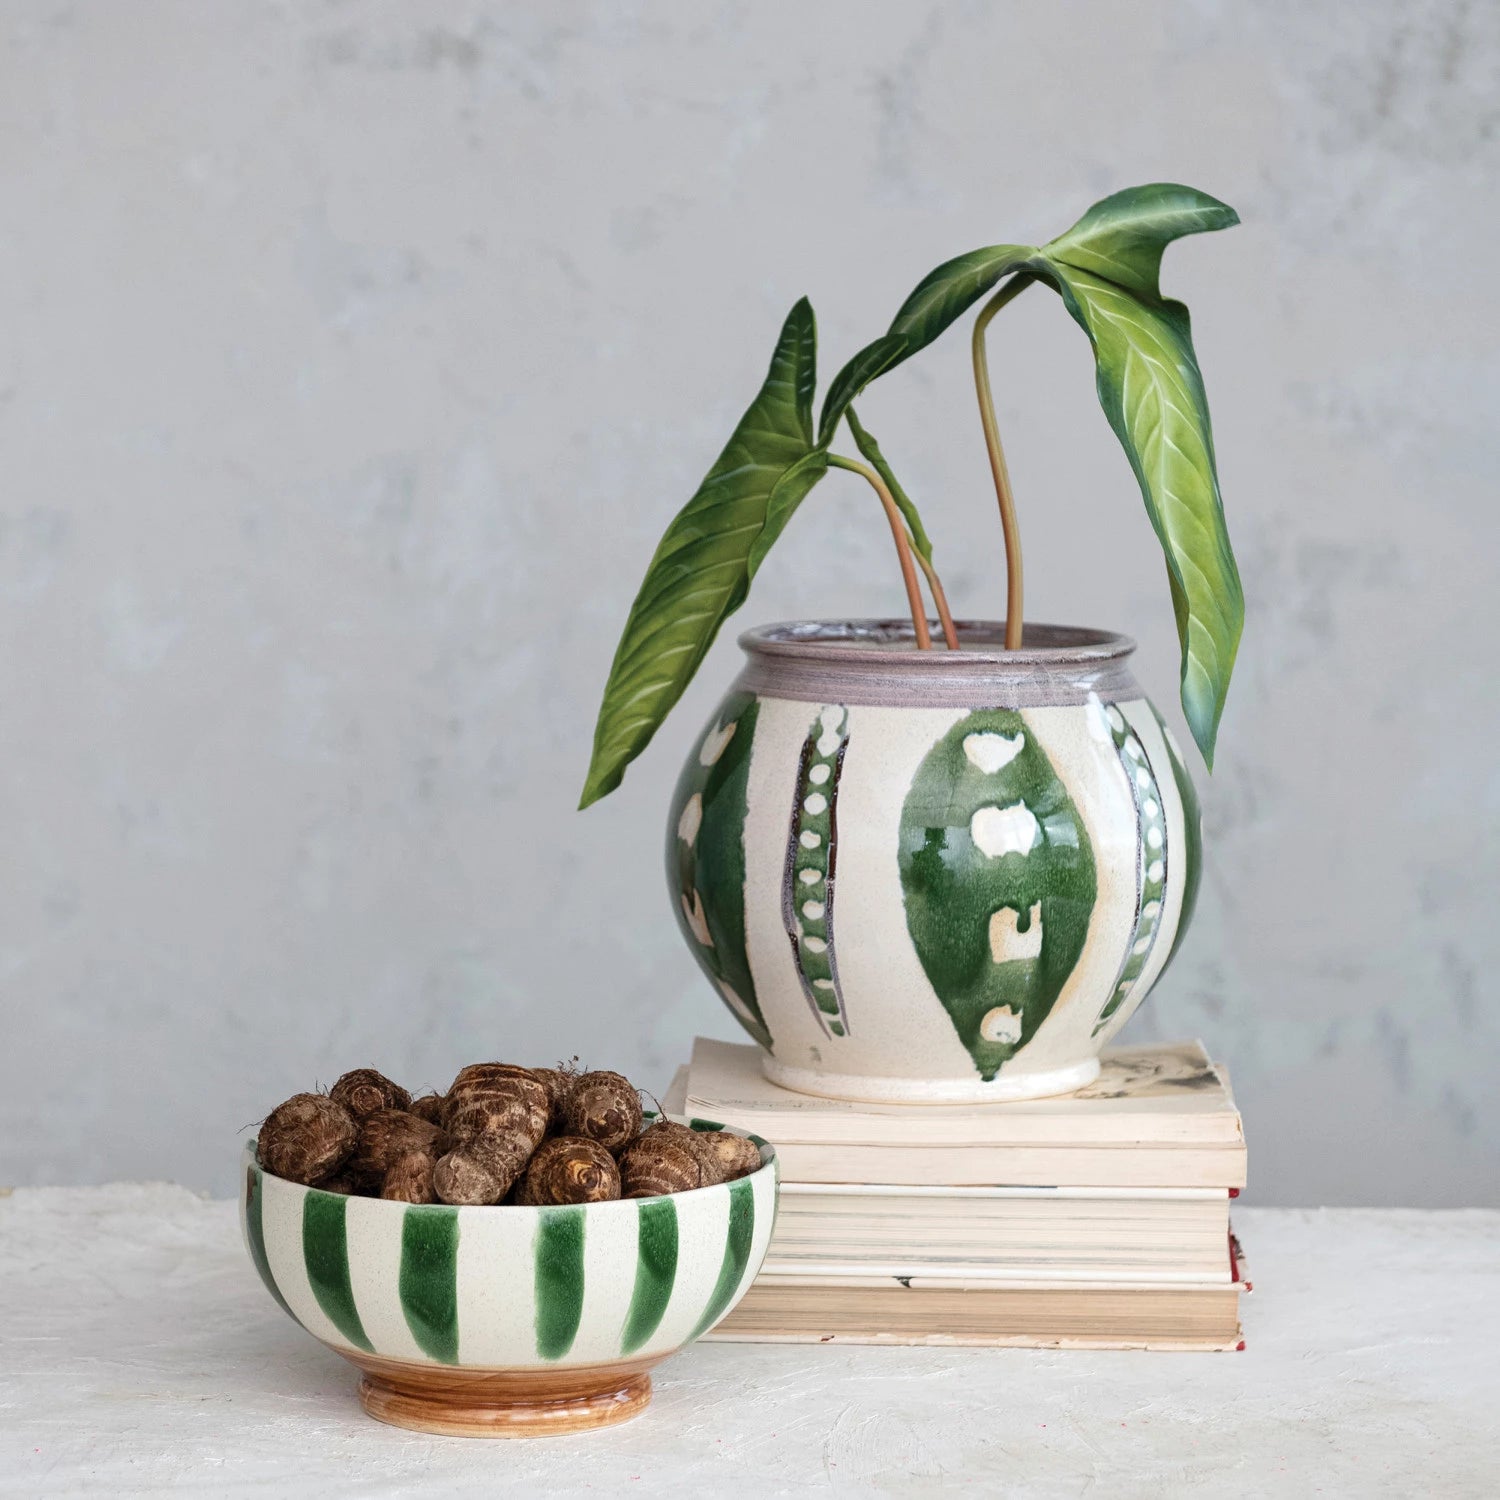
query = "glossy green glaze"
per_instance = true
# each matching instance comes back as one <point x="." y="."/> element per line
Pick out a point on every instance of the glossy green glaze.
<point x="1190" y="862"/>
<point x="706" y="858"/>
<point x="809" y="884"/>
<point x="429" y="1280"/>
<point x="559" y="1280"/>
<point x="991" y="844"/>
<point x="325" y="1251"/>
<point x="655" y="1271"/>
<point x="736" y="1253"/>
<point x="1152" y="859"/>
<point x="255" y="1235"/>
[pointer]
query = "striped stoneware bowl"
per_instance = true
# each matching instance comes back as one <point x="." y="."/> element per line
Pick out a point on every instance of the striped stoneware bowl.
<point x="504" y="1320"/>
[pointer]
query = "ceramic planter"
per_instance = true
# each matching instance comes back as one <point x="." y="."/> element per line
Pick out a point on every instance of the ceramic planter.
<point x="507" y="1321"/>
<point x="933" y="875"/>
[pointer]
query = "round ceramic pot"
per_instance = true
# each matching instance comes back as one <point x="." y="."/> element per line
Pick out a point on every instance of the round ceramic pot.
<point x="933" y="875"/>
<point x="507" y="1321"/>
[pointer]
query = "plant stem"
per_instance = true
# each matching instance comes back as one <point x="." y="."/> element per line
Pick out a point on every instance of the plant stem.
<point x="940" y="599"/>
<point x="1014" y="602"/>
<point x="903" y="546"/>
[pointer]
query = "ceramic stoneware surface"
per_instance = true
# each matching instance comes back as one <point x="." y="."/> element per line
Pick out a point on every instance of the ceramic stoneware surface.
<point x="933" y="875"/>
<point x="507" y="1319"/>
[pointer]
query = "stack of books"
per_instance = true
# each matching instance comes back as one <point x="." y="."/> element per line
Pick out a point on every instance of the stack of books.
<point x="1099" y="1219"/>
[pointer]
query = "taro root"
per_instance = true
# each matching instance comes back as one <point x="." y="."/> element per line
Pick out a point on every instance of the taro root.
<point x="364" y="1091"/>
<point x="659" y="1164"/>
<point x="519" y="1117"/>
<point x="569" y="1169"/>
<point x="605" y="1108"/>
<point x="497" y="1099"/>
<point x="428" y="1107"/>
<point x="409" y="1178"/>
<point x="557" y="1082"/>
<point x="689" y="1140"/>
<point x="308" y="1137"/>
<point x="736" y="1156"/>
<point x="478" y="1077"/>
<point x="343" y="1181"/>
<point x="481" y="1170"/>
<point x="387" y="1135"/>
<point x="495" y="1115"/>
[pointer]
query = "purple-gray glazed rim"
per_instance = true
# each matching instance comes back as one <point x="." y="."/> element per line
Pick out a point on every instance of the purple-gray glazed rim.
<point x="875" y="662"/>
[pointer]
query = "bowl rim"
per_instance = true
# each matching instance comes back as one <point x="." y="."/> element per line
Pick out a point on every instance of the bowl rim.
<point x="768" y="1163"/>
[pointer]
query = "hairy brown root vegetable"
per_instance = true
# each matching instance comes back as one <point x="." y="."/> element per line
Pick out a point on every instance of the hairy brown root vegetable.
<point x="604" y="1107"/>
<point x="364" y="1091"/>
<point x="409" y="1178"/>
<point x="480" y="1076"/>
<point x="736" y="1156"/>
<point x="689" y="1140"/>
<point x="497" y="1099"/>
<point x="649" y="1167"/>
<point x="570" y="1169"/>
<point x="558" y="1082"/>
<point x="307" y="1137"/>
<point x="343" y="1181"/>
<point x="481" y="1170"/>
<point x="487" y="1140"/>
<point x="428" y="1107"/>
<point x="389" y="1134"/>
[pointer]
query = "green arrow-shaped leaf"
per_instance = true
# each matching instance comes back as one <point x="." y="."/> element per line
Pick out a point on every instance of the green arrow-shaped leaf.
<point x="1122" y="237"/>
<point x="1106" y="268"/>
<point x="947" y="293"/>
<point x="702" y="568"/>
<point x="1152" y="393"/>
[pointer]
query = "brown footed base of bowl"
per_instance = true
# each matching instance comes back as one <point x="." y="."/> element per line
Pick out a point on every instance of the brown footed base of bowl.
<point x="459" y="1401"/>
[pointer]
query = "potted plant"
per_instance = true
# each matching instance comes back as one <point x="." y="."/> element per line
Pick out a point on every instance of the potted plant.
<point x="920" y="871"/>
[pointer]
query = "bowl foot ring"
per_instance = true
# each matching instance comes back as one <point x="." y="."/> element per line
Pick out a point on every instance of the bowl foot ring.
<point x="538" y="1418"/>
<point x="532" y="1403"/>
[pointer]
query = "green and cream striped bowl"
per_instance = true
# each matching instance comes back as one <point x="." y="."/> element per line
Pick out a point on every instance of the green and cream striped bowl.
<point x="507" y="1319"/>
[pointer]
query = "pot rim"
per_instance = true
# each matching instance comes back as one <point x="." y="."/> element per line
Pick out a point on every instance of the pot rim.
<point x="889" y="645"/>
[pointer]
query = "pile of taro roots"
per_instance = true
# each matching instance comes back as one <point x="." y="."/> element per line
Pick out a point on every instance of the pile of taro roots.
<point x="501" y="1134"/>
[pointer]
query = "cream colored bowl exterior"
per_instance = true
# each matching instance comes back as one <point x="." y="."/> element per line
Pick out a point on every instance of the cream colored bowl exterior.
<point x="508" y="1287"/>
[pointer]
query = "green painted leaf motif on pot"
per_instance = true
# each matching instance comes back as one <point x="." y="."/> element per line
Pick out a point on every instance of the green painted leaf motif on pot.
<point x="1155" y="860"/>
<point x="810" y="877"/>
<point x="706" y="858"/>
<point x="998" y="878"/>
<point x="1190" y="862"/>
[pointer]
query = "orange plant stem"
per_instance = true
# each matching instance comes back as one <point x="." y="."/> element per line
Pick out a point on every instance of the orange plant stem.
<point x="1010" y="529"/>
<point x="903" y="546"/>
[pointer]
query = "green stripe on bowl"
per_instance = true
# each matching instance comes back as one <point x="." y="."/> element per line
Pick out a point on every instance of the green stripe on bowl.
<point x="255" y="1189"/>
<point x="429" y="1280"/>
<point x="655" y="1271"/>
<point x="736" y="1252"/>
<point x="325" y="1253"/>
<point x="559" y="1280"/>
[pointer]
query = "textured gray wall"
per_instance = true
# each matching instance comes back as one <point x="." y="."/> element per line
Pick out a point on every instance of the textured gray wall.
<point x="352" y="357"/>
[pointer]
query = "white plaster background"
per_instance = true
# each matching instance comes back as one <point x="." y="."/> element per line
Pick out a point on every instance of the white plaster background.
<point x="353" y="356"/>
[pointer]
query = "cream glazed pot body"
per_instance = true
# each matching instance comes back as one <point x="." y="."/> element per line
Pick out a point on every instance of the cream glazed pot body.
<point x="933" y="876"/>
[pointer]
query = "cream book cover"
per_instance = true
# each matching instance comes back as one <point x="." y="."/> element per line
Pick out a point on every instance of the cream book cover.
<point x="1157" y="1095"/>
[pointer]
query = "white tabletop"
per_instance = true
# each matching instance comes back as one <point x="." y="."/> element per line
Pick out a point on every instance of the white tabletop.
<point x="140" y="1356"/>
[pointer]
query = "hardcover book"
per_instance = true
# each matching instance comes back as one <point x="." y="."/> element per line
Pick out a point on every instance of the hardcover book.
<point x="1156" y="1116"/>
